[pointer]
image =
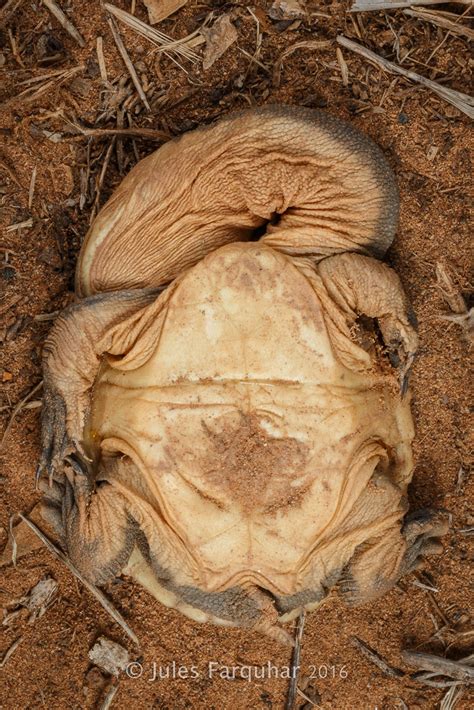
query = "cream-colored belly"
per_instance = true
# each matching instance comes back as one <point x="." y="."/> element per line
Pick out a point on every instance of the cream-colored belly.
<point x="242" y="421"/>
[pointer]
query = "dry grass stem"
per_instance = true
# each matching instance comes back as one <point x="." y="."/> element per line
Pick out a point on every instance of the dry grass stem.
<point x="463" y="102"/>
<point x="26" y="224"/>
<point x="51" y="80"/>
<point x="100" y="596"/>
<point x="18" y="407"/>
<point x="10" y="651"/>
<point x="376" y="659"/>
<point x="309" y="44"/>
<point x="458" y="670"/>
<point x="128" y="62"/>
<point x="295" y="662"/>
<point x="151" y="134"/>
<point x="161" y="41"/>
<point x="64" y="21"/>
<point x="374" y="5"/>
<point x="437" y="19"/>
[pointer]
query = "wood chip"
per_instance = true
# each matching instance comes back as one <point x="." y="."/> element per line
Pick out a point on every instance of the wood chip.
<point x="440" y="666"/>
<point x="127" y="61"/>
<point x="97" y="593"/>
<point x="218" y="38"/>
<point x="159" y="10"/>
<point x="64" y="21"/>
<point x="376" y="659"/>
<point x="463" y="102"/>
<point x="109" y="655"/>
<point x="101" y="60"/>
<point x="343" y="67"/>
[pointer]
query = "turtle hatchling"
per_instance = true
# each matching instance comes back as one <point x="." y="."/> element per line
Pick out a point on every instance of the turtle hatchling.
<point x="226" y="410"/>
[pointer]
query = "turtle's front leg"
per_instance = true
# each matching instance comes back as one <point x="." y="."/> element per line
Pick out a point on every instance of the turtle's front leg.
<point x="360" y="285"/>
<point x="82" y="334"/>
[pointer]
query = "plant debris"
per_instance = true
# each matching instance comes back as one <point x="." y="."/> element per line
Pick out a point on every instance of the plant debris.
<point x="461" y="101"/>
<point x="109" y="655"/>
<point x="35" y="602"/>
<point x="218" y="38"/>
<point x="159" y="10"/>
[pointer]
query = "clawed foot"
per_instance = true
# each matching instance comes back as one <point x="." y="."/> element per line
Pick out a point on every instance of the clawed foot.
<point x="421" y="530"/>
<point x="401" y="339"/>
<point x="57" y="443"/>
<point x="69" y="494"/>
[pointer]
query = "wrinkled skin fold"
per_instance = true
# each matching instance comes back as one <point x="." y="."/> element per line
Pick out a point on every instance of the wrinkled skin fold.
<point x="225" y="419"/>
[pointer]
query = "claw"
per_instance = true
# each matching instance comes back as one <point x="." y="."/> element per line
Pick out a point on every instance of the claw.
<point x="405" y="373"/>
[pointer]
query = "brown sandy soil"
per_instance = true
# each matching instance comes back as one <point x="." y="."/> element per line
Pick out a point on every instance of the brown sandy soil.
<point x="428" y="144"/>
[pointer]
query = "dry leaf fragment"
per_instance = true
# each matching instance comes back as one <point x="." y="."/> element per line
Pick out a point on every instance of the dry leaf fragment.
<point x="110" y="656"/>
<point x="40" y="597"/>
<point x="286" y="10"/>
<point x="36" y="601"/>
<point x="161" y="9"/>
<point x="218" y="38"/>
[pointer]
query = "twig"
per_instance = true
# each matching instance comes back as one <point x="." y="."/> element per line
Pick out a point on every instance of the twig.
<point x="374" y="5"/>
<point x="295" y="662"/>
<point x="377" y="660"/>
<point x="309" y="44"/>
<point x="461" y="101"/>
<point x="437" y="19"/>
<point x="10" y="651"/>
<point x="64" y="21"/>
<point x="127" y="61"/>
<point x="109" y="697"/>
<point x="134" y="132"/>
<point x="100" y="596"/>
<point x="31" y="191"/>
<point x="100" y="181"/>
<point x="17" y="409"/>
<point x="439" y="666"/>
